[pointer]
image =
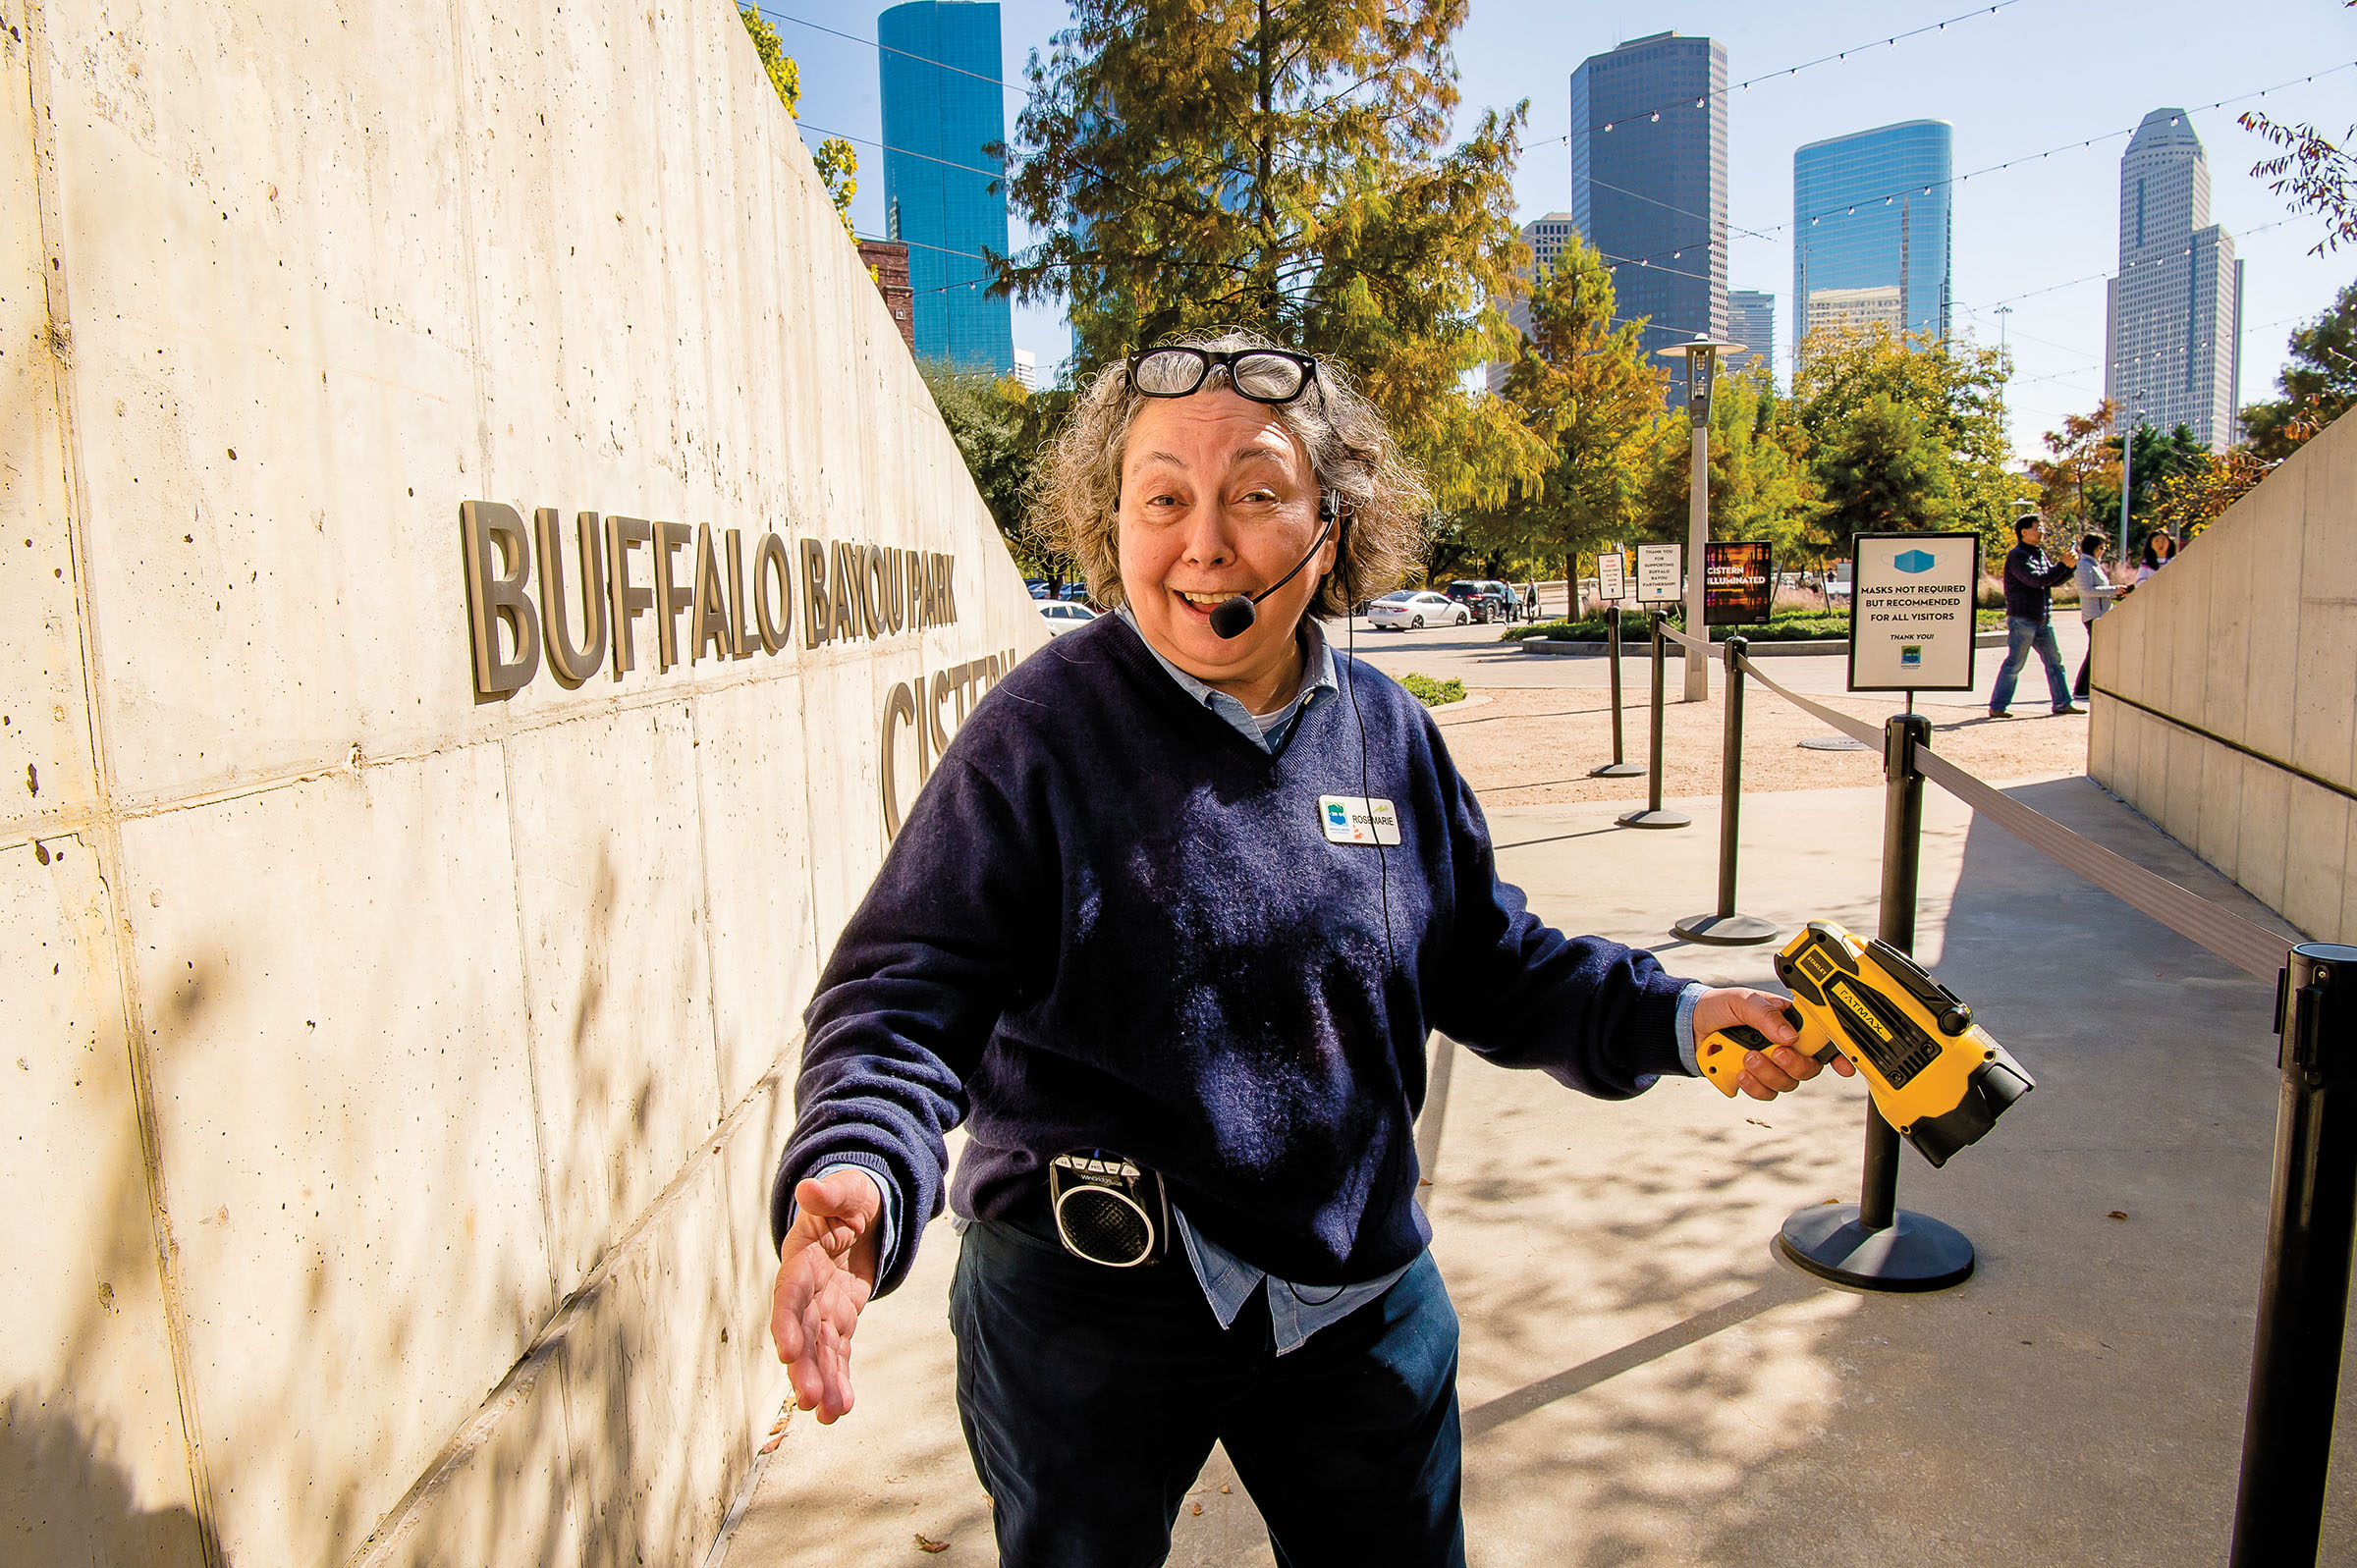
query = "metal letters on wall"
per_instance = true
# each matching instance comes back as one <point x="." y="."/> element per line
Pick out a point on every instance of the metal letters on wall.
<point x="710" y="597"/>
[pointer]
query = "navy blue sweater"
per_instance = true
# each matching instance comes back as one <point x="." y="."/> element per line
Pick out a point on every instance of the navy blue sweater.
<point x="1110" y="920"/>
<point x="2029" y="575"/>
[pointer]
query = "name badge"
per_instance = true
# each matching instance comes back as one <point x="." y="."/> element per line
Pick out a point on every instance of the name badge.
<point x="1354" y="819"/>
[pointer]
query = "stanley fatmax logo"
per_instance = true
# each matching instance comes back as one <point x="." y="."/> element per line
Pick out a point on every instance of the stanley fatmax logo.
<point x="1897" y="1048"/>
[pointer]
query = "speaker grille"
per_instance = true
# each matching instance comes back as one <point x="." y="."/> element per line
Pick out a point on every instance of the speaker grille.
<point x="1105" y="1226"/>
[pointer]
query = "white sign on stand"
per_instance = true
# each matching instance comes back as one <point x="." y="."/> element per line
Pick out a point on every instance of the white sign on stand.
<point x="1611" y="575"/>
<point x="1911" y="619"/>
<point x="1661" y="576"/>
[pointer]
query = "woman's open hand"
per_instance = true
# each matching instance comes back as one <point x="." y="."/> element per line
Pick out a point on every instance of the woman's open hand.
<point x="826" y="1272"/>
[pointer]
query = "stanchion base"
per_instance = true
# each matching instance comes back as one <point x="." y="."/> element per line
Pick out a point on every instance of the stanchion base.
<point x="1917" y="1252"/>
<point x="1726" y="931"/>
<point x="1616" y="769"/>
<point x="1655" y="819"/>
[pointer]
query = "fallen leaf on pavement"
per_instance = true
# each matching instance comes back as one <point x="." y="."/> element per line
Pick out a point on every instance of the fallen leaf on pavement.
<point x="2118" y="1214"/>
<point x="1757" y="1122"/>
<point x="925" y="1545"/>
<point x="1199" y="1510"/>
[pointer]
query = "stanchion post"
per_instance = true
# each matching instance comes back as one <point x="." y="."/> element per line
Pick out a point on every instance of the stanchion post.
<point x="1724" y="927"/>
<point x="1874" y="1244"/>
<point x="2304" y="1289"/>
<point x="1617" y="768"/>
<point x="1653" y="816"/>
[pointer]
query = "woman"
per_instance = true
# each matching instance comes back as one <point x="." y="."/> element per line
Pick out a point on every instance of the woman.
<point x="2159" y="549"/>
<point x="1186" y="894"/>
<point x="2095" y="593"/>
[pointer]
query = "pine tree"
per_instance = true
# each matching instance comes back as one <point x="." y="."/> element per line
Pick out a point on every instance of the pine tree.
<point x="1280" y="164"/>
<point x="1581" y="386"/>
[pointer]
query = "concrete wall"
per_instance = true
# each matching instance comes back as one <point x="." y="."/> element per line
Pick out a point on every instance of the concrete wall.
<point x="393" y="1071"/>
<point x="2249" y="642"/>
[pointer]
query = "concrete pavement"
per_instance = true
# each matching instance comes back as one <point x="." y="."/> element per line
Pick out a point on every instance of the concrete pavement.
<point x="1643" y="1382"/>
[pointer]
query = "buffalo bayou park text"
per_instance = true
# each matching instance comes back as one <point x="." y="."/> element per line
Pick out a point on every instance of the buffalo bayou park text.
<point x="737" y="604"/>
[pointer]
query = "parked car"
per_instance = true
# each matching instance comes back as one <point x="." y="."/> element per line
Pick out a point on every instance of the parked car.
<point x="1063" y="618"/>
<point x="1037" y="585"/>
<point x="1075" y="591"/>
<point x="1486" y="597"/>
<point x="1412" y="609"/>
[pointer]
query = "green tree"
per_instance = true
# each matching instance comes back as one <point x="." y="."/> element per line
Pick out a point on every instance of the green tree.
<point x="2154" y="457"/>
<point x="1759" y="482"/>
<point x="1282" y="164"/>
<point x="1581" y="386"/>
<point x="1905" y="433"/>
<point x="836" y="161"/>
<point x="999" y="430"/>
<point x="2319" y="385"/>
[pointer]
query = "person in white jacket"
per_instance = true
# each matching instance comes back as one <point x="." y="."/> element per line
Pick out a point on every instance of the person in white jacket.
<point x="2095" y="593"/>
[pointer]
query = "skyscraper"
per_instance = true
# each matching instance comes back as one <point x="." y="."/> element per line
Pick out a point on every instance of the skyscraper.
<point x="943" y="195"/>
<point x="1546" y="238"/>
<point x="1751" y="322"/>
<point x="2174" y="351"/>
<point x="1648" y="181"/>
<point x="1871" y="227"/>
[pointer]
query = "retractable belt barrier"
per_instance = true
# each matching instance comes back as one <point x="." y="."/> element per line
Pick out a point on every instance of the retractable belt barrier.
<point x="2312" y="1232"/>
<point x="2248" y="947"/>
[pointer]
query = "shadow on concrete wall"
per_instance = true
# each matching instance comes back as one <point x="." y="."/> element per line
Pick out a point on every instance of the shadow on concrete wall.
<point x="65" y="1499"/>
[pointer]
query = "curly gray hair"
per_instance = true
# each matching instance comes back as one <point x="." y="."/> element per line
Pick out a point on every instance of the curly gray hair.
<point x="1077" y="495"/>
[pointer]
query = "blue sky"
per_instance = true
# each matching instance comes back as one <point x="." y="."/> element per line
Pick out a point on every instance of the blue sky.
<point x="2035" y="75"/>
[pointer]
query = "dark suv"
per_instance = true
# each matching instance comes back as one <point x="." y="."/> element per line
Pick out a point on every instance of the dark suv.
<point x="1488" y="600"/>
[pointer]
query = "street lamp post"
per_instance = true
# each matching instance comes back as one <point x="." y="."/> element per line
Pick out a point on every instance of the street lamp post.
<point x="1701" y="356"/>
<point x="2127" y="469"/>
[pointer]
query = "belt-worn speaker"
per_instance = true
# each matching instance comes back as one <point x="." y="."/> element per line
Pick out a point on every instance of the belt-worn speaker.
<point x="1108" y="1209"/>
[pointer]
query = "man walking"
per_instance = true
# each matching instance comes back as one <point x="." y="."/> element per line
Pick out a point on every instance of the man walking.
<point x="2096" y="592"/>
<point x="2029" y="577"/>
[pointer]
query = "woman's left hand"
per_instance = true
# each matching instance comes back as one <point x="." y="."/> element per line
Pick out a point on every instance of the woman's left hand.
<point x="1766" y="1073"/>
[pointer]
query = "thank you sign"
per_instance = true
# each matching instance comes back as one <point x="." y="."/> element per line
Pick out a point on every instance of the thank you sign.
<point x="1911" y="610"/>
<point x="1659" y="573"/>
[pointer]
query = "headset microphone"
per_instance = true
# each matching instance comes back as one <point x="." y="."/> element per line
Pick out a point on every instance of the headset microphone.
<point x="1234" y="617"/>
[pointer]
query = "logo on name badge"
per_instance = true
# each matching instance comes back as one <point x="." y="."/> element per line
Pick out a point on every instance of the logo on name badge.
<point x="1354" y="819"/>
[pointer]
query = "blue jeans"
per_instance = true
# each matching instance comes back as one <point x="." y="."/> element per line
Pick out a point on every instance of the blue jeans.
<point x="1091" y="1397"/>
<point x="2020" y="637"/>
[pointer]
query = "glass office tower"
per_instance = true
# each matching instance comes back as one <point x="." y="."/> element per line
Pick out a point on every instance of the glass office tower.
<point x="1871" y="229"/>
<point x="2176" y="340"/>
<point x="943" y="195"/>
<point x="1648" y="181"/>
<point x="1751" y="322"/>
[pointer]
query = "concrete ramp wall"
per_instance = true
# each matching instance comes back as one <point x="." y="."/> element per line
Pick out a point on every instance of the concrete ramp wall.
<point x="2226" y="691"/>
<point x="398" y="1028"/>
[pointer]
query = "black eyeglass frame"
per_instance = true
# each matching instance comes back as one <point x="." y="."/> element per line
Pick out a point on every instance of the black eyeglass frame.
<point x="1210" y="359"/>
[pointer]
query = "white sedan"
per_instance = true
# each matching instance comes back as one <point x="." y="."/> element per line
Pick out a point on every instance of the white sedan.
<point x="1063" y="617"/>
<point x="1409" y="609"/>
